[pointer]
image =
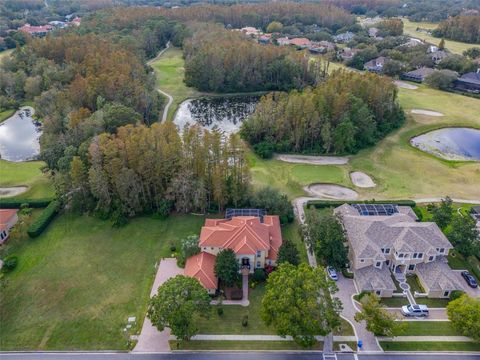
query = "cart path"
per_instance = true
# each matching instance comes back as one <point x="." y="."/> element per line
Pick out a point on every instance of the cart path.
<point x="167" y="95"/>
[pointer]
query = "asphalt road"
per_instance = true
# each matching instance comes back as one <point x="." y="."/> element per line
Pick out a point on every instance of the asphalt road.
<point x="231" y="356"/>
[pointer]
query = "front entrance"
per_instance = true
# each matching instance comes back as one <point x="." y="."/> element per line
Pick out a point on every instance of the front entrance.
<point x="245" y="263"/>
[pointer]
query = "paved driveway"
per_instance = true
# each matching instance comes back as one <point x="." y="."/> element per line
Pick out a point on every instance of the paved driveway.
<point x="150" y="339"/>
<point x="346" y="288"/>
<point x="461" y="281"/>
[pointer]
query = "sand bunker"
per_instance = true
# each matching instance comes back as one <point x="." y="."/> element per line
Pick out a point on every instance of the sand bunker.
<point x="313" y="160"/>
<point x="426" y="112"/>
<point x="12" y="191"/>
<point x="405" y="85"/>
<point x="362" y="180"/>
<point x="331" y="191"/>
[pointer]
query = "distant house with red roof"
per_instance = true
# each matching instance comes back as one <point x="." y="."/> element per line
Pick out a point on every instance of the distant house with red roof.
<point x="300" y="42"/>
<point x="8" y="218"/>
<point x="36" y="30"/>
<point x="255" y="243"/>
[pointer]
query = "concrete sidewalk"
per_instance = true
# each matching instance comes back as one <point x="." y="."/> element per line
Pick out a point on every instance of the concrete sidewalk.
<point x="427" y="338"/>
<point x="260" y="338"/>
<point x="150" y="339"/>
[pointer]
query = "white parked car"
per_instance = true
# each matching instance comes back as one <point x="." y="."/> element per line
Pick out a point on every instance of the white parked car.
<point x="415" y="310"/>
<point x="332" y="274"/>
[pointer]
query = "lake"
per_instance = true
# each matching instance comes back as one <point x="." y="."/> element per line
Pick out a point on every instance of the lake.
<point x="450" y="143"/>
<point x="20" y="136"/>
<point x="223" y="113"/>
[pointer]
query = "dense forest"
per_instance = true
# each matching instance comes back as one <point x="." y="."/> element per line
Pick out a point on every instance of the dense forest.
<point x="460" y="28"/>
<point x="348" y="112"/>
<point x="150" y="169"/>
<point x="226" y="61"/>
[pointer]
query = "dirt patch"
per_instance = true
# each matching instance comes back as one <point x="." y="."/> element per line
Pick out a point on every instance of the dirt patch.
<point x="426" y="112"/>
<point x="12" y="191"/>
<point x="362" y="180"/>
<point x="313" y="160"/>
<point x="331" y="191"/>
<point x="404" y="85"/>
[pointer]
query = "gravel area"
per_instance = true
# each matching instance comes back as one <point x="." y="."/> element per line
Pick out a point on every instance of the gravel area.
<point x="362" y="180"/>
<point x="426" y="112"/>
<point x="313" y="160"/>
<point x="331" y="191"/>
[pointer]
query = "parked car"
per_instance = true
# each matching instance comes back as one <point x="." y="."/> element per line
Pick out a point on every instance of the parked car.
<point x="332" y="274"/>
<point x="469" y="279"/>
<point x="415" y="310"/>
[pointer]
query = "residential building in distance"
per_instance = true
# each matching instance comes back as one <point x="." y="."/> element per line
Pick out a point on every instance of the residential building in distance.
<point x="255" y="240"/>
<point x="344" y="37"/>
<point x="300" y="42"/>
<point x="348" y="54"/>
<point x="36" y="30"/>
<point x="375" y="65"/>
<point x="283" y="41"/>
<point x="469" y="82"/>
<point x="438" y="56"/>
<point x="418" y="75"/>
<point x="8" y="218"/>
<point x="387" y="239"/>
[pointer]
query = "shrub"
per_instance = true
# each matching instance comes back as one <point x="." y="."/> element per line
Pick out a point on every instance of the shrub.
<point x="264" y="149"/>
<point x="220" y="311"/>
<point x="418" y="212"/>
<point x="44" y="219"/>
<point x="347" y="274"/>
<point x="237" y="294"/>
<point x="455" y="294"/>
<point x="10" y="263"/>
<point x="259" y="275"/>
<point x="173" y="248"/>
<point x="245" y="321"/>
<point x="18" y="203"/>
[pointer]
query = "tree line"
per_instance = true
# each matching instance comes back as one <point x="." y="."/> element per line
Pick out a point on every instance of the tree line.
<point x="346" y="113"/>
<point x="225" y="61"/>
<point x="153" y="170"/>
<point x="464" y="28"/>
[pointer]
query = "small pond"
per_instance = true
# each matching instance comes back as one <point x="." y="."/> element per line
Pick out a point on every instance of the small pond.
<point x="450" y="143"/>
<point x="20" y="136"/>
<point x="223" y="113"/>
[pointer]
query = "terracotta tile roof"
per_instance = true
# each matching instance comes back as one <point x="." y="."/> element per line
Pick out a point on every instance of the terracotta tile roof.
<point x="6" y="216"/>
<point x="300" y="42"/>
<point x="243" y="234"/>
<point x="201" y="267"/>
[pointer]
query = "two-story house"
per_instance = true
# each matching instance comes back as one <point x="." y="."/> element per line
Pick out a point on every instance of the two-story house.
<point x="255" y="241"/>
<point x="388" y="239"/>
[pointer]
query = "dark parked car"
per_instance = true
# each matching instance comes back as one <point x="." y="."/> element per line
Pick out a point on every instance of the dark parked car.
<point x="469" y="279"/>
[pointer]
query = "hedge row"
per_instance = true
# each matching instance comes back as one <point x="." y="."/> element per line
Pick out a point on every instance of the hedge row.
<point x="320" y="204"/>
<point x="44" y="219"/>
<point x="17" y="203"/>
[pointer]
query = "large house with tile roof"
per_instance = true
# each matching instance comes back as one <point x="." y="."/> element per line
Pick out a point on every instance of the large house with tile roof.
<point x="255" y="241"/>
<point x="382" y="245"/>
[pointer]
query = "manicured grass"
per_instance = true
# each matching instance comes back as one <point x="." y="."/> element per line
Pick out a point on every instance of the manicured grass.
<point x="345" y="329"/>
<point x="399" y="170"/>
<point x="26" y="174"/>
<point x="291" y="178"/>
<point x="396" y="302"/>
<point x="231" y="320"/>
<point x="169" y="69"/>
<point x="410" y="27"/>
<point x="240" y="345"/>
<point x="458" y="262"/>
<point x="5" y="114"/>
<point x="429" y="328"/>
<point x="429" y="346"/>
<point x="415" y="285"/>
<point x="292" y="232"/>
<point x="76" y="284"/>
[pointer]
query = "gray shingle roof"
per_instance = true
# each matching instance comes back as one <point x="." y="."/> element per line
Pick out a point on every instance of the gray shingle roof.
<point x="370" y="278"/>
<point x="437" y="275"/>
<point x="400" y="232"/>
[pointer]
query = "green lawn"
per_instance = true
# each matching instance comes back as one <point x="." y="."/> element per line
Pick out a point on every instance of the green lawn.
<point x="27" y="174"/>
<point x="292" y="232"/>
<point x="240" y="345"/>
<point x="399" y="170"/>
<point x="429" y="328"/>
<point x="169" y="69"/>
<point x="458" y="262"/>
<point x="396" y="302"/>
<point x="409" y="28"/>
<point x="415" y="285"/>
<point x="429" y="346"/>
<point x="5" y="114"/>
<point x="77" y="283"/>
